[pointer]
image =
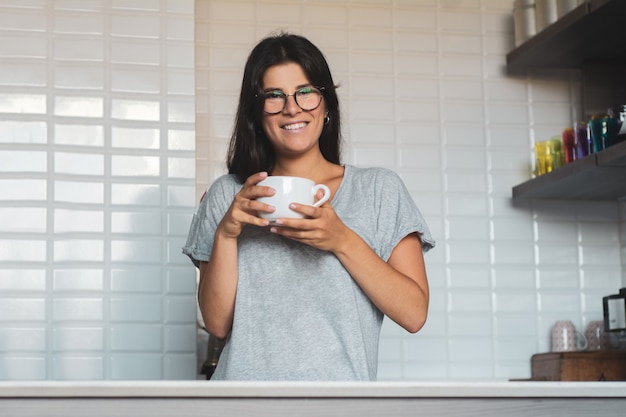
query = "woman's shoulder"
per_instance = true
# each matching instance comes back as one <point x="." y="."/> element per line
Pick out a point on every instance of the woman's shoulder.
<point x="224" y="185"/>
<point x="370" y="174"/>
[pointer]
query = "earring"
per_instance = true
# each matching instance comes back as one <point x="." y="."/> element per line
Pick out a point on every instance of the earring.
<point x="326" y="119"/>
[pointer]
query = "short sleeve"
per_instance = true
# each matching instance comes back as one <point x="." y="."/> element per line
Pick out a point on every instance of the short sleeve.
<point x="212" y="208"/>
<point x="399" y="215"/>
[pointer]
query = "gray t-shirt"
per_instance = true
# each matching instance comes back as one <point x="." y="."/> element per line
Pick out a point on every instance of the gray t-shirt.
<point x="298" y="313"/>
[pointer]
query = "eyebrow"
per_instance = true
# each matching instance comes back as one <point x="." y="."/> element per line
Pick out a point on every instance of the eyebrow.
<point x="267" y="90"/>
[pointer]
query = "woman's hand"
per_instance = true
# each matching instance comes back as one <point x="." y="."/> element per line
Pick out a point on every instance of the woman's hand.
<point x="321" y="228"/>
<point x="244" y="208"/>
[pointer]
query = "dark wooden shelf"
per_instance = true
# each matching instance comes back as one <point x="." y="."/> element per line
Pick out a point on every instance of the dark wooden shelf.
<point x="600" y="176"/>
<point x="593" y="31"/>
<point x="592" y="34"/>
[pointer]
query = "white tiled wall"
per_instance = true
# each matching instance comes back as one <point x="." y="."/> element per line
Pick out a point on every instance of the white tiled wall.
<point x="424" y="92"/>
<point x="97" y="177"/>
<point x="96" y="189"/>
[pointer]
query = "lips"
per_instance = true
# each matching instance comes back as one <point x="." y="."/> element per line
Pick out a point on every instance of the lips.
<point x="295" y="126"/>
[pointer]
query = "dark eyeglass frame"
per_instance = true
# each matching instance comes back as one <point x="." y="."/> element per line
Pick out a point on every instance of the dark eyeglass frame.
<point x="285" y="97"/>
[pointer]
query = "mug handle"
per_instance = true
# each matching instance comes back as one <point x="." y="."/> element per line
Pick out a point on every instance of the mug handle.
<point x="581" y="341"/>
<point x="326" y="196"/>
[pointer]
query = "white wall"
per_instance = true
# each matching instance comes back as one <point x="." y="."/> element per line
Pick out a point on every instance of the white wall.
<point x="96" y="189"/>
<point x="424" y="92"/>
<point x="97" y="182"/>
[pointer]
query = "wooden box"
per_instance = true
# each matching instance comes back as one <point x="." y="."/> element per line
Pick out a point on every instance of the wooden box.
<point x="603" y="365"/>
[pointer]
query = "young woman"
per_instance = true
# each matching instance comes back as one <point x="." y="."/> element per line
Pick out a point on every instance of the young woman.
<point x="303" y="299"/>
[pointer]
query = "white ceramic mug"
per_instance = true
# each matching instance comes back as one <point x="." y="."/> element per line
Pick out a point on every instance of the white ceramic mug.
<point x="291" y="190"/>
<point x="565" y="338"/>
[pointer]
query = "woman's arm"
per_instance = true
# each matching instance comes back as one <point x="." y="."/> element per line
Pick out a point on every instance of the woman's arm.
<point x="398" y="287"/>
<point x="218" y="277"/>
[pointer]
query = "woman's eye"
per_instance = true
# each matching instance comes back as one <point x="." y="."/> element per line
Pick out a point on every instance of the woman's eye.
<point x="305" y="90"/>
<point x="274" y="94"/>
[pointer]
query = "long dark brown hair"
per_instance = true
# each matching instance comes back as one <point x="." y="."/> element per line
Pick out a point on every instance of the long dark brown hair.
<point x="250" y="150"/>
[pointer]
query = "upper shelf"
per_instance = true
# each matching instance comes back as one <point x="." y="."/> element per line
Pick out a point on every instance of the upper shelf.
<point x="600" y="176"/>
<point x="593" y="31"/>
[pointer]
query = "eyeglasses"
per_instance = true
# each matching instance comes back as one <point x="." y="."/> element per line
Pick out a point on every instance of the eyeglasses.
<point x="307" y="98"/>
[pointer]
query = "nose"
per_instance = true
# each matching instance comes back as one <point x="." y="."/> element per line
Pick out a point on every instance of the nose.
<point x="291" y="107"/>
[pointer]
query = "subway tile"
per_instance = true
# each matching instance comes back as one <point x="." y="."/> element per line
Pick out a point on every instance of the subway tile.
<point x="75" y="339"/>
<point x="22" y="339"/>
<point x="180" y="280"/>
<point x="181" y="140"/>
<point x="179" y="308"/>
<point x="124" y="51"/>
<point x="76" y="279"/>
<point x="467" y="135"/>
<point x="77" y="309"/>
<point x="135" y="26"/>
<point x="517" y="326"/>
<point x="371" y="17"/>
<point x="78" y="250"/>
<point x="23" y="132"/>
<point x="23" y="367"/>
<point x="81" y="49"/>
<point x="472" y="350"/>
<point x="24" y="45"/>
<point x="518" y="301"/>
<point x="180" y="338"/>
<point x="78" y="5"/>
<point x="558" y="277"/>
<point x="462" y="44"/>
<point x="136" y="279"/>
<point x="22" y="250"/>
<point x="513" y="277"/>
<point x="23" y="219"/>
<point x="22" y="279"/>
<point x="139" y="5"/>
<point x="601" y="255"/>
<point x="72" y="367"/>
<point x="136" y="308"/>
<point x="86" y="221"/>
<point x="371" y="40"/>
<point x="23" y="74"/>
<point x="467" y="182"/>
<point x="135" y="194"/>
<point x="513" y="253"/>
<point x="180" y="196"/>
<point x="469" y="301"/>
<point x="79" y="192"/>
<point x="179" y="56"/>
<point x="470" y="325"/>
<point x="83" y="164"/>
<point x="136" y="80"/>
<point x="22" y="103"/>
<point x="136" y="250"/>
<point x="136" y="338"/>
<point x="135" y="166"/>
<point x="79" y="24"/>
<point x="138" y="110"/>
<point x="557" y="254"/>
<point x="180" y="367"/>
<point x="180" y="110"/>
<point x="78" y="106"/>
<point x="78" y="134"/>
<point x="331" y="14"/>
<point x="469" y="276"/>
<point x="136" y="222"/>
<point x="137" y="366"/>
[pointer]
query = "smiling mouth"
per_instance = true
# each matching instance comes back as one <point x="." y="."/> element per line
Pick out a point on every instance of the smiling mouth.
<point x="295" y="126"/>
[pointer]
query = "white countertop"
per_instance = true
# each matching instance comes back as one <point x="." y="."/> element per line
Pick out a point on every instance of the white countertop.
<point x="215" y="389"/>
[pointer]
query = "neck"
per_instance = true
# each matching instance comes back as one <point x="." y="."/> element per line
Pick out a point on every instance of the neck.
<point x="310" y="168"/>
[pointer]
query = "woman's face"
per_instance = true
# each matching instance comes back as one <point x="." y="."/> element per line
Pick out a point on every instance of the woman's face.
<point x="292" y="131"/>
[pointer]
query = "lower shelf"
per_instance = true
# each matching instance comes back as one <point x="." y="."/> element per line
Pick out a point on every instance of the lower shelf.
<point x="600" y="176"/>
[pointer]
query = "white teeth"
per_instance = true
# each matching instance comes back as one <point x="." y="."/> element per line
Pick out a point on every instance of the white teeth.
<point x="295" y="126"/>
